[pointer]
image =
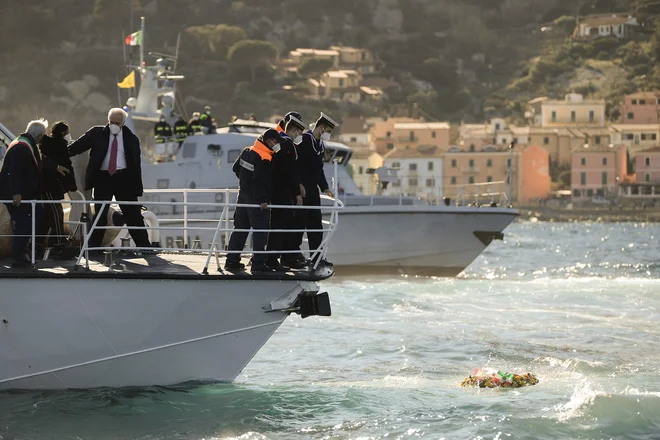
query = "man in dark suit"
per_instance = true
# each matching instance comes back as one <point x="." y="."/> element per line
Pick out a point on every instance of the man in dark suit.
<point x="114" y="169"/>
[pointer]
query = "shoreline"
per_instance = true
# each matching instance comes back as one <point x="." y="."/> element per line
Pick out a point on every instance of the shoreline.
<point x="605" y="215"/>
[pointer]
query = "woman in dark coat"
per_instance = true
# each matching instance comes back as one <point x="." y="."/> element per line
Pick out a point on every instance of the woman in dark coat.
<point x="56" y="183"/>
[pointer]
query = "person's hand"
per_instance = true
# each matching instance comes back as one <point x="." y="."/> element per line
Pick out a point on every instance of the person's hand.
<point x="303" y="193"/>
<point x="299" y="201"/>
<point x="63" y="170"/>
<point x="329" y="193"/>
<point x="264" y="206"/>
<point x="17" y="200"/>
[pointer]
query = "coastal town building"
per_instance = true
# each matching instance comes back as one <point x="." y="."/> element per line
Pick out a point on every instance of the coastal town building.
<point x="641" y="108"/>
<point x="420" y="173"/>
<point x="607" y="25"/>
<point x="409" y="134"/>
<point x="596" y="171"/>
<point x="637" y="137"/>
<point x="573" y="111"/>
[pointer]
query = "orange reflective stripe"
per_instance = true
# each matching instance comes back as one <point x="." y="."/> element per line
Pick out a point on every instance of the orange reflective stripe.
<point x="262" y="150"/>
<point x="280" y="128"/>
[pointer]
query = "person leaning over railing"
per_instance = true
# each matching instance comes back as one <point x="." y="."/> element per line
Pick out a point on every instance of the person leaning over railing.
<point x="20" y="179"/>
<point x="254" y="170"/>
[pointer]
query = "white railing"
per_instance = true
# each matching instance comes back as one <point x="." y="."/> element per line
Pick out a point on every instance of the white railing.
<point x="222" y="226"/>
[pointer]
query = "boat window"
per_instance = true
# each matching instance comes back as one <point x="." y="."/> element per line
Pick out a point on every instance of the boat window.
<point x="328" y="154"/>
<point x="189" y="150"/>
<point x="163" y="183"/>
<point x="341" y="157"/>
<point x="232" y="155"/>
<point x="215" y="150"/>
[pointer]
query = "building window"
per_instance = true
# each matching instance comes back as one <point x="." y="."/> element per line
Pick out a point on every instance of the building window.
<point x="643" y="136"/>
<point x="489" y="163"/>
<point x="430" y="166"/>
<point x="604" y="178"/>
<point x="453" y="163"/>
<point x="647" y="177"/>
<point x="508" y="163"/>
<point x="389" y="134"/>
<point x="597" y="140"/>
<point x="629" y="137"/>
<point x="489" y="179"/>
<point x="471" y="163"/>
<point x="647" y="161"/>
<point x="453" y="180"/>
<point x="412" y="135"/>
<point x="546" y="140"/>
<point x="583" y="161"/>
<point x="412" y="181"/>
<point x="590" y="193"/>
<point x="396" y="165"/>
<point x="504" y="140"/>
<point x="497" y="127"/>
<point x="634" y="102"/>
<point x="583" y="178"/>
<point x="572" y="115"/>
<point x="341" y="83"/>
<point x="429" y="183"/>
<point x="604" y="161"/>
<point x="631" y="115"/>
<point x="353" y="139"/>
<point x="364" y="56"/>
<point x="361" y="170"/>
<point x="471" y="147"/>
<point x="471" y="179"/>
<point x="592" y="116"/>
<point x="654" y="136"/>
<point x="412" y="167"/>
<point x="554" y="116"/>
<point x="642" y="102"/>
<point x="390" y="146"/>
<point x="577" y="193"/>
<point x="433" y="134"/>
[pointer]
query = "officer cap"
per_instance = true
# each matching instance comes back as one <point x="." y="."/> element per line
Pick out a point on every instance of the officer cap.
<point x="327" y="121"/>
<point x="271" y="133"/>
<point x="294" y="114"/>
<point x="296" y="122"/>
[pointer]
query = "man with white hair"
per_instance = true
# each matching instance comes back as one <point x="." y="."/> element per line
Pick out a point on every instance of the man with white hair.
<point x="114" y="170"/>
<point x="20" y="180"/>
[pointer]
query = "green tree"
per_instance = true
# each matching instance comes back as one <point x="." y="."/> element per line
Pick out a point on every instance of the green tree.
<point x="565" y="24"/>
<point x="104" y="9"/>
<point x="212" y="39"/>
<point x="314" y="67"/>
<point x="252" y="54"/>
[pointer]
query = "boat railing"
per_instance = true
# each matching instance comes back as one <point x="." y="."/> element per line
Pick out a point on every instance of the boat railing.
<point x="222" y="225"/>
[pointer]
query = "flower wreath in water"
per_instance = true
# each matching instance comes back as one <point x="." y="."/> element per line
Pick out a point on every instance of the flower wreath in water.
<point x="489" y="378"/>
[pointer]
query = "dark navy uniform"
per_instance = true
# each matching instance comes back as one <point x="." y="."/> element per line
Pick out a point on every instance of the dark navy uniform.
<point x="254" y="170"/>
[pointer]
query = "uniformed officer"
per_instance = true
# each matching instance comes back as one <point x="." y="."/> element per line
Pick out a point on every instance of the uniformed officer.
<point x="162" y="130"/>
<point x="310" y="161"/>
<point x="286" y="191"/>
<point x="282" y="124"/>
<point x="207" y="121"/>
<point x="195" y="124"/>
<point x="254" y="170"/>
<point x="180" y="130"/>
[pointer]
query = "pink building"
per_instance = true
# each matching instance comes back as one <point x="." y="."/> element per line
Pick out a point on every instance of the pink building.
<point x="596" y="171"/>
<point x="641" y="108"/>
<point x="647" y="166"/>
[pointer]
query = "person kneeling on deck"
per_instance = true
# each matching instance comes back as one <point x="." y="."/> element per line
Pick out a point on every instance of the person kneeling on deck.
<point x="254" y="170"/>
<point x="286" y="191"/>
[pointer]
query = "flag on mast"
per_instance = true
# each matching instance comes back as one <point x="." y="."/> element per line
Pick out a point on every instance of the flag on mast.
<point x="135" y="39"/>
<point x="128" y="82"/>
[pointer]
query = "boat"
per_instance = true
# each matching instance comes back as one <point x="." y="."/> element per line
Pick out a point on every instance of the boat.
<point x="143" y="316"/>
<point x="377" y="234"/>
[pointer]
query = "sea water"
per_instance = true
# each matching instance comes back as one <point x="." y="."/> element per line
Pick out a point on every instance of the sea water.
<point x="577" y="304"/>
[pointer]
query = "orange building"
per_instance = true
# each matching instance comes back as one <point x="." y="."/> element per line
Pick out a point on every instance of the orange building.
<point x="409" y="134"/>
<point x="596" y="171"/>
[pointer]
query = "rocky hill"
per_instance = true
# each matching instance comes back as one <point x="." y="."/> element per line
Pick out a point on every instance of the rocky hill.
<point x="455" y="59"/>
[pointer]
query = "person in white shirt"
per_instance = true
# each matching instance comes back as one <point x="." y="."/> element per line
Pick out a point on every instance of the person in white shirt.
<point x="114" y="170"/>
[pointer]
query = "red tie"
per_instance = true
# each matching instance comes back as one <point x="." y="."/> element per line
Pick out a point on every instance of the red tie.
<point x="112" y="166"/>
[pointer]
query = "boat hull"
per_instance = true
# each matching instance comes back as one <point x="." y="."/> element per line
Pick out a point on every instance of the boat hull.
<point x="87" y="333"/>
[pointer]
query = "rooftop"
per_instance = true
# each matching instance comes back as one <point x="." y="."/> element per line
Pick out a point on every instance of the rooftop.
<point x="341" y="73"/>
<point x="315" y="52"/>
<point x="649" y="94"/>
<point x="421" y="126"/>
<point x="353" y="124"/>
<point x="613" y="19"/>
<point x="635" y="127"/>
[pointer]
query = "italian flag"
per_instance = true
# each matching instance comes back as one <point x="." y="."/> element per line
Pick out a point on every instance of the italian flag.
<point x="135" y="39"/>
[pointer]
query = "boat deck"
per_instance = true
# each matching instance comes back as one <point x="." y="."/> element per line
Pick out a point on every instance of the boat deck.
<point x="154" y="266"/>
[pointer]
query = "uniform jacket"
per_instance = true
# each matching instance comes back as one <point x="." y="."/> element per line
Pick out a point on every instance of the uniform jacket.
<point x="310" y="164"/>
<point x="286" y="179"/>
<point x="97" y="139"/>
<point x="254" y="170"/>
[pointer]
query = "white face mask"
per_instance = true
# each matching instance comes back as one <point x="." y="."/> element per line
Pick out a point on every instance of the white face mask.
<point x="325" y="137"/>
<point x="298" y="139"/>
<point x="115" y="129"/>
<point x="276" y="148"/>
<point x="68" y="137"/>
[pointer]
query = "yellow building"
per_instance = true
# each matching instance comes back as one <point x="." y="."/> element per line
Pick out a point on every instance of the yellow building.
<point x="409" y="134"/>
<point x="573" y="111"/>
<point x="358" y="59"/>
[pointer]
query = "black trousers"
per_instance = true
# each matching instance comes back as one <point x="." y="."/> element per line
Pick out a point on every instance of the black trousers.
<point x="118" y="186"/>
<point x="309" y="219"/>
<point x="249" y="218"/>
<point x="53" y="221"/>
<point x="22" y="217"/>
<point x="281" y="241"/>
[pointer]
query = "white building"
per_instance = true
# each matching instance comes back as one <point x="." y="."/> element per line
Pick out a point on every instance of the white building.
<point x="612" y="25"/>
<point x="636" y="137"/>
<point x="420" y="174"/>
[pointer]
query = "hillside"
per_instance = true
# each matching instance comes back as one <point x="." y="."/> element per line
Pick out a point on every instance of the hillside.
<point x="455" y="59"/>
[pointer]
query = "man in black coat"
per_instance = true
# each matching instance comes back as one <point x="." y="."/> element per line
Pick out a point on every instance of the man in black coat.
<point x="114" y="169"/>
<point x="20" y="179"/>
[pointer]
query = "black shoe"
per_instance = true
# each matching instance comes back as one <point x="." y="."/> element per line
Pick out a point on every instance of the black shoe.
<point x="293" y="264"/>
<point x="234" y="266"/>
<point x="277" y="267"/>
<point x="261" y="268"/>
<point x="17" y="264"/>
<point x="326" y="263"/>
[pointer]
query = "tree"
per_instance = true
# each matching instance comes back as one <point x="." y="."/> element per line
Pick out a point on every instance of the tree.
<point x="104" y="9"/>
<point x="252" y="54"/>
<point x="314" y="67"/>
<point x="565" y="24"/>
<point x="216" y="39"/>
